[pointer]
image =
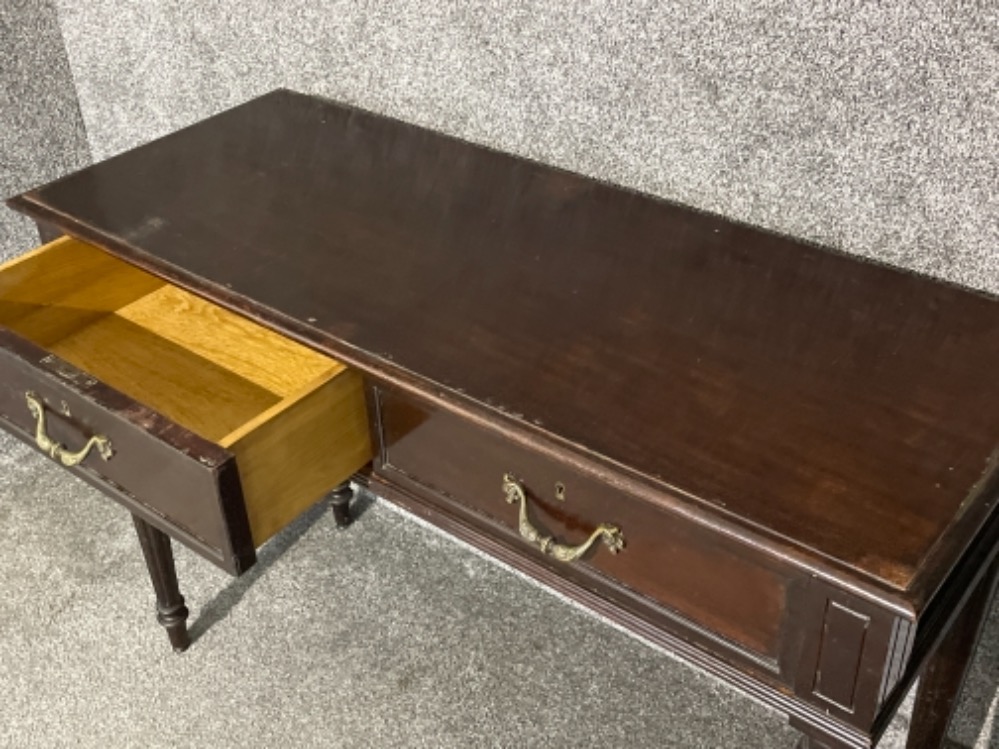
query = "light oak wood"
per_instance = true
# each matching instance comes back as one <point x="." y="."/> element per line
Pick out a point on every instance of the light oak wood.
<point x="294" y="418"/>
<point x="72" y="273"/>
<point x="202" y="396"/>
<point x="259" y="355"/>
<point x="31" y="255"/>
<point x="56" y="289"/>
<point x="290" y="456"/>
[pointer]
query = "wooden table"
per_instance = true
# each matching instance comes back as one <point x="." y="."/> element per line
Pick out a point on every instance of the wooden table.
<point x="776" y="460"/>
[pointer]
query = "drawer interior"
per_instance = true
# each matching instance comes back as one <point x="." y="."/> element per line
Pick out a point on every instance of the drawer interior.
<point x="271" y="401"/>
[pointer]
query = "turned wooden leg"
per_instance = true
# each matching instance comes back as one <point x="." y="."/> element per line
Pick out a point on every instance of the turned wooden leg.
<point x="170" y="609"/>
<point x="943" y="676"/>
<point x="340" y="502"/>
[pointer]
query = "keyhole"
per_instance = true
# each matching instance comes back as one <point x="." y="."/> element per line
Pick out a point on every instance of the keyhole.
<point x="560" y="491"/>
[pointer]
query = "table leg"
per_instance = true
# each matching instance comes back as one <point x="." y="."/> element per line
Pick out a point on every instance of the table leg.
<point x="340" y="502"/>
<point x="943" y="676"/>
<point x="170" y="609"/>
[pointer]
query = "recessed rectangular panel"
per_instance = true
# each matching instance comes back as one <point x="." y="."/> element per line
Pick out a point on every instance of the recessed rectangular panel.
<point x="843" y="638"/>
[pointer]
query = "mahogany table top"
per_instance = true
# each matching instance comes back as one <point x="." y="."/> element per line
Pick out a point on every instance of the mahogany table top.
<point x="826" y="403"/>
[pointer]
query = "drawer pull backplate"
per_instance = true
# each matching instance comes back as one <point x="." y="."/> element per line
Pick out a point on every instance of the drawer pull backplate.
<point x="52" y="448"/>
<point x="610" y="534"/>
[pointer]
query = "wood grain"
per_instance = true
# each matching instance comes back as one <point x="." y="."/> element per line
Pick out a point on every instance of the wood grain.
<point x="57" y="289"/>
<point x="295" y="419"/>
<point x="239" y="345"/>
<point x="31" y="255"/>
<point x="831" y="416"/>
<point x="294" y="453"/>
<point x="837" y="409"/>
<point x="196" y="393"/>
<point x="730" y="590"/>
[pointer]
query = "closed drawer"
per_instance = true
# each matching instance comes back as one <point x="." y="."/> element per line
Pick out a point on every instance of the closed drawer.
<point x="216" y="428"/>
<point x="719" y="585"/>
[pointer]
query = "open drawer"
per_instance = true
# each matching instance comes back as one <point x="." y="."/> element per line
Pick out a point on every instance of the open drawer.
<point x="217" y="430"/>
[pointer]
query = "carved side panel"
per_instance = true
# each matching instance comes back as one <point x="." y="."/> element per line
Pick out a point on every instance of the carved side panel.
<point x="853" y="653"/>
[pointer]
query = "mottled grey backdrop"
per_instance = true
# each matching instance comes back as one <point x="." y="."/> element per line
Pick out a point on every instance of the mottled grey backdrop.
<point x="41" y="131"/>
<point x="871" y="127"/>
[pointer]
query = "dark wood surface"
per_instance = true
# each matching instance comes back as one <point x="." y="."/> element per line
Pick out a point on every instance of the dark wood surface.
<point x="631" y="613"/>
<point x="831" y="405"/>
<point x="844" y="666"/>
<point x="340" y="504"/>
<point x="800" y="446"/>
<point x="731" y="590"/>
<point x="159" y="471"/>
<point x="944" y="674"/>
<point x="171" y="612"/>
<point x="48" y="232"/>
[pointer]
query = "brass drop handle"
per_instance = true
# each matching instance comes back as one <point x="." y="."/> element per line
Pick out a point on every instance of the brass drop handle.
<point x="52" y="448"/>
<point x="610" y="534"/>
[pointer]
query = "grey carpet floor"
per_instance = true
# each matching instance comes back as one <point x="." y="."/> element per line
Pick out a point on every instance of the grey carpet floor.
<point x="389" y="634"/>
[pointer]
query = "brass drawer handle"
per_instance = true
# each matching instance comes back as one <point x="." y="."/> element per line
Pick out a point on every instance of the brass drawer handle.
<point x="610" y="534"/>
<point x="52" y="448"/>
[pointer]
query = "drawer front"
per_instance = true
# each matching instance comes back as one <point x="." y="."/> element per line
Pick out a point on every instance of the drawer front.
<point x="713" y="581"/>
<point x="176" y="479"/>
